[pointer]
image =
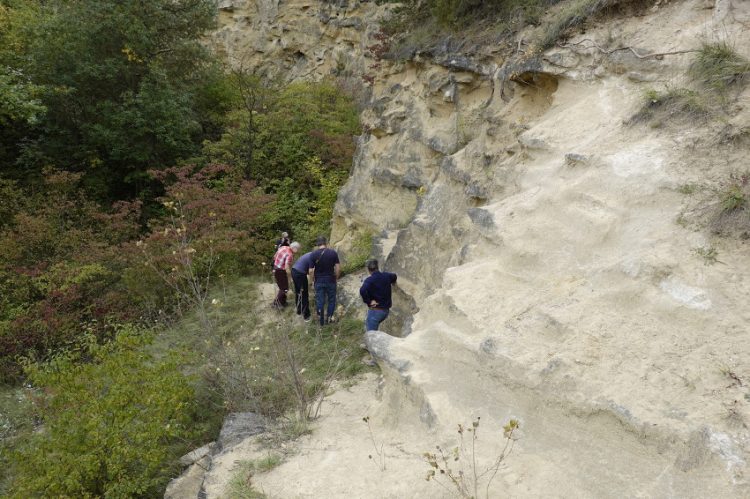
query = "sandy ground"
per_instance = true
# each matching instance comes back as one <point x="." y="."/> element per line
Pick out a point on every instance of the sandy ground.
<point x="342" y="459"/>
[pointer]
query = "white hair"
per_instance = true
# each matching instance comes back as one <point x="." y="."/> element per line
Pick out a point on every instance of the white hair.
<point x="295" y="245"/>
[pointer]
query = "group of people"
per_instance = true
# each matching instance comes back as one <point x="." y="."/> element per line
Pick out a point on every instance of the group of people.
<point x="323" y="268"/>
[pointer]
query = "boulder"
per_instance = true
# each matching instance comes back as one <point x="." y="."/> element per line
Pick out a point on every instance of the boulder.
<point x="237" y="427"/>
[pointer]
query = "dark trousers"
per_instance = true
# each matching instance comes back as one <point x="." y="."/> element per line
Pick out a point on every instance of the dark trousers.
<point x="282" y="281"/>
<point x="374" y="317"/>
<point x="301" y="293"/>
<point x="325" y="291"/>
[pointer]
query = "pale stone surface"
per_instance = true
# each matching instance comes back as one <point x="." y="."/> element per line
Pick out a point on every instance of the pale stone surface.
<point x="189" y="484"/>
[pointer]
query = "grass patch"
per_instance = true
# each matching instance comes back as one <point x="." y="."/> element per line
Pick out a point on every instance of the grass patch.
<point x="266" y="361"/>
<point x="733" y="217"/>
<point x="430" y="25"/>
<point x="271" y="362"/>
<point x="421" y="26"/>
<point x="719" y="67"/>
<point x="687" y="189"/>
<point x="358" y="255"/>
<point x="574" y="13"/>
<point x="672" y="104"/>
<point x="734" y="198"/>
<point x="241" y="483"/>
<point x="710" y="255"/>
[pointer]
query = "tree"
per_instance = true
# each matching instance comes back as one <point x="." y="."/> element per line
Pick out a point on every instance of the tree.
<point x="297" y="143"/>
<point x="123" y="85"/>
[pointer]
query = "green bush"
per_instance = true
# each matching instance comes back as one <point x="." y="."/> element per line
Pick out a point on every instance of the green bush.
<point x="113" y="420"/>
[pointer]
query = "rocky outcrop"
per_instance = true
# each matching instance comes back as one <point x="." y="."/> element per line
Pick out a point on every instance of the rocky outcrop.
<point x="297" y="39"/>
<point x="552" y="281"/>
<point x="208" y="467"/>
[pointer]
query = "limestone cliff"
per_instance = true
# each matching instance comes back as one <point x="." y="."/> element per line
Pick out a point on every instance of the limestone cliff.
<point x="553" y="265"/>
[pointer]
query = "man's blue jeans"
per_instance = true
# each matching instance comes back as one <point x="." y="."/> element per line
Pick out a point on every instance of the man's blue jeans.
<point x="374" y="318"/>
<point x="325" y="291"/>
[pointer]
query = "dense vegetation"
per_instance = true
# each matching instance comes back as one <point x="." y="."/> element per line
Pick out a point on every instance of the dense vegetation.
<point x="434" y="26"/>
<point x="135" y="170"/>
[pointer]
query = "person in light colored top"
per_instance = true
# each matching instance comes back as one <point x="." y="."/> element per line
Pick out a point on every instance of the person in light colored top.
<point x="282" y="268"/>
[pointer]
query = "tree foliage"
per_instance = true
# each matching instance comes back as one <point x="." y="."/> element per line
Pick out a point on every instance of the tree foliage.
<point x="110" y="424"/>
<point x="124" y="86"/>
<point x="302" y="140"/>
<point x="59" y="266"/>
<point x="68" y="264"/>
<point x="213" y="225"/>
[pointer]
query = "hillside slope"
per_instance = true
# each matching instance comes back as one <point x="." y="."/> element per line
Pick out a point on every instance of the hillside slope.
<point x="570" y="267"/>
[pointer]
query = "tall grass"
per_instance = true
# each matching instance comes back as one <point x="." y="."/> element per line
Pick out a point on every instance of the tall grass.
<point x="719" y="67"/>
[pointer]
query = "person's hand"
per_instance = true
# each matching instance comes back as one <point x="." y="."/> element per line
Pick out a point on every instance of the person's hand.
<point x="373" y="303"/>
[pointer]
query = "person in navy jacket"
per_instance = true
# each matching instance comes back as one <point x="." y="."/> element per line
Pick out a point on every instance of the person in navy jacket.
<point x="376" y="293"/>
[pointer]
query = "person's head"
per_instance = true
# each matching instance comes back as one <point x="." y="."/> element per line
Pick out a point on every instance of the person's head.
<point x="295" y="246"/>
<point x="284" y="235"/>
<point x="321" y="241"/>
<point x="372" y="265"/>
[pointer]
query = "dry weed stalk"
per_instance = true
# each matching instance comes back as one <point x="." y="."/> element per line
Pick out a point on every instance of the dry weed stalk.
<point x="458" y="472"/>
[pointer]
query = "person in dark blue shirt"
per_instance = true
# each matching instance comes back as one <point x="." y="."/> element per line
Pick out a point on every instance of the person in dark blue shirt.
<point x="325" y="269"/>
<point x="376" y="293"/>
<point x="300" y="269"/>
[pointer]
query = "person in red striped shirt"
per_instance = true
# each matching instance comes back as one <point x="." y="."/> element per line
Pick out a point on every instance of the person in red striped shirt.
<point x="282" y="268"/>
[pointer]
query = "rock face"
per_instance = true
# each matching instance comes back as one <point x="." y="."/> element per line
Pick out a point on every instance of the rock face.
<point x="539" y="259"/>
<point x="296" y="39"/>
<point x="210" y="465"/>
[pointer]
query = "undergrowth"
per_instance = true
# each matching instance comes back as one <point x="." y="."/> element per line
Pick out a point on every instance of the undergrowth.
<point x="435" y="25"/>
<point x="716" y="69"/>
<point x="241" y="483"/>
<point x="360" y="251"/>
<point x="272" y="362"/>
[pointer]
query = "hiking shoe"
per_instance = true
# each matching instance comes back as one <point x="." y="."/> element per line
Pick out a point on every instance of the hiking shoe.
<point x="307" y="319"/>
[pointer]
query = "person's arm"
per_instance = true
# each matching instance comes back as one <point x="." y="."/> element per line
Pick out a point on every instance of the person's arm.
<point x="337" y="270"/>
<point x="364" y="292"/>
<point x="288" y="269"/>
<point x="311" y="268"/>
